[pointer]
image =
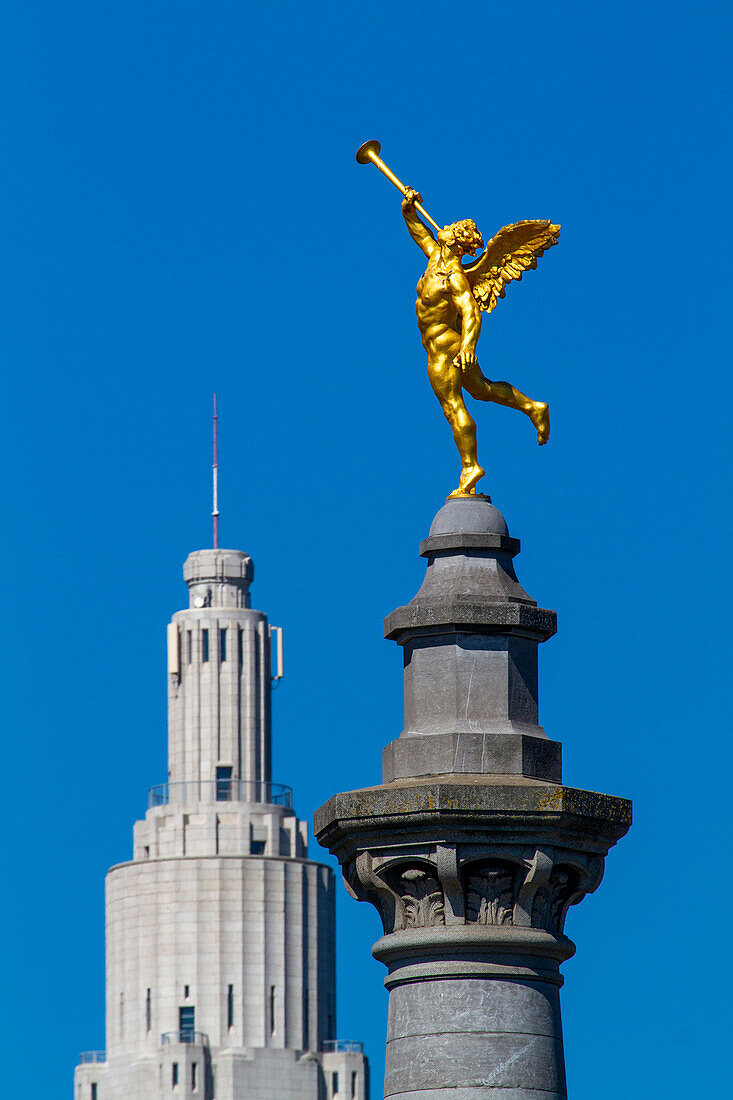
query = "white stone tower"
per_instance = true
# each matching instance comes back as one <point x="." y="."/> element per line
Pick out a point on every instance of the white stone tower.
<point x="220" y="936"/>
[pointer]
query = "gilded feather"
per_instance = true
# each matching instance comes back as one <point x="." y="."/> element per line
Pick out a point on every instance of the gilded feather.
<point x="514" y="250"/>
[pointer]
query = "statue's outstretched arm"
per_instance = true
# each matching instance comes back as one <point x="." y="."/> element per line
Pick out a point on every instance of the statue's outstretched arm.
<point x="417" y="229"/>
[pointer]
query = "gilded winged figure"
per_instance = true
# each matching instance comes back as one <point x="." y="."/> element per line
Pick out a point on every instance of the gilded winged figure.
<point x="450" y="299"/>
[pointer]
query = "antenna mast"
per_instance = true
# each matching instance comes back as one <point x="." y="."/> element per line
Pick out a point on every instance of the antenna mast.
<point x="215" y="476"/>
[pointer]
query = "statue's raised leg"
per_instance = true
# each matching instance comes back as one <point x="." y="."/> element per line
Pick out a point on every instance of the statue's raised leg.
<point x="503" y="393"/>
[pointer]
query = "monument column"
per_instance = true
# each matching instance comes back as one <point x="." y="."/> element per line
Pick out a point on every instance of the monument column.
<point x="472" y="849"/>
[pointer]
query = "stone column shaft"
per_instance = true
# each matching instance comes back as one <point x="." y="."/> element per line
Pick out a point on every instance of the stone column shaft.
<point x="472" y="849"/>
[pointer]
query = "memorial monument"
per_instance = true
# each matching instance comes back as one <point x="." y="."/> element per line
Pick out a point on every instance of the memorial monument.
<point x="471" y="849"/>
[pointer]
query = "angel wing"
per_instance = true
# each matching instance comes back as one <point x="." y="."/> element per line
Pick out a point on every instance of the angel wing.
<point x="513" y="250"/>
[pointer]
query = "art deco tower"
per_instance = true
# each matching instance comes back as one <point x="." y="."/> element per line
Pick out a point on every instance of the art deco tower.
<point x="220" y="931"/>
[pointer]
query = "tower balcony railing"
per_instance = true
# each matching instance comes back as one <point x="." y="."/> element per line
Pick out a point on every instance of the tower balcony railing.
<point x="343" y="1046"/>
<point x="197" y="1038"/>
<point x="221" y="790"/>
<point x="92" y="1057"/>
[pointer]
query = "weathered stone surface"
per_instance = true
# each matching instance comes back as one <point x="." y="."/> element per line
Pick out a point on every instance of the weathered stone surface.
<point x="491" y="1092"/>
<point x="501" y="804"/>
<point x="472" y="849"/>
<point x="467" y="753"/>
<point x="526" y="1007"/>
<point x="476" y="1059"/>
<point x="469" y="515"/>
<point x="484" y="616"/>
<point x="468" y="683"/>
<point x="470" y="639"/>
<point x="475" y="541"/>
<point x="473" y="877"/>
<point x="470" y="580"/>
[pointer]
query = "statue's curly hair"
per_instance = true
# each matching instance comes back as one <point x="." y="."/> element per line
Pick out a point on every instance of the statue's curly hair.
<point x="466" y="225"/>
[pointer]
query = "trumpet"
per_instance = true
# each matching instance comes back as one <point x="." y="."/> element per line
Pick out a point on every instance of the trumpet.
<point x="368" y="153"/>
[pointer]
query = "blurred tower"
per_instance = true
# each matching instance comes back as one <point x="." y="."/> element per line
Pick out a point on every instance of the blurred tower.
<point x="220" y="936"/>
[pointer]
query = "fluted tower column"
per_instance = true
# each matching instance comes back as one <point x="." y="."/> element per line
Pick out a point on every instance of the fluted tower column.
<point x="219" y="683"/>
<point x="472" y="849"/>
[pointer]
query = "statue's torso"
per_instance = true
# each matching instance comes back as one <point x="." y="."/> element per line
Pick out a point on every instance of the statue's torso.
<point x="435" y="308"/>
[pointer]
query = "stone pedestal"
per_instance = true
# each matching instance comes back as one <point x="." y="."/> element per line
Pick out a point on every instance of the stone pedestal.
<point x="472" y="850"/>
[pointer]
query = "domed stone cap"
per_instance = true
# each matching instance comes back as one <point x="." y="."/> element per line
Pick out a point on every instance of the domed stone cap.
<point x="469" y="523"/>
<point x="470" y="584"/>
<point x="228" y="566"/>
<point x="469" y="515"/>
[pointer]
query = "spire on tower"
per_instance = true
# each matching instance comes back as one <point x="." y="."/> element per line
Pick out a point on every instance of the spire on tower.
<point x="215" y="476"/>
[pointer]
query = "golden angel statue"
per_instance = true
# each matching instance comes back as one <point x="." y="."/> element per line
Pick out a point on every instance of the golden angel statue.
<point x="450" y="298"/>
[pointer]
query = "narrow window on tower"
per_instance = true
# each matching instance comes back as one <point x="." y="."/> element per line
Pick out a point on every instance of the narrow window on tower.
<point x="94" y="1090"/>
<point x="224" y="784"/>
<point x="186" y="990"/>
<point x="272" y="1010"/>
<point x="241" y="645"/>
<point x="186" y="1023"/>
<point x="174" y="1075"/>
<point x="205" y="644"/>
<point x="223" y="644"/>
<point x="194" y="1076"/>
<point x="230" y="1007"/>
<point x="148" y="1011"/>
<point x="189" y="646"/>
<point x="334" y="1084"/>
<point x="354" y="1079"/>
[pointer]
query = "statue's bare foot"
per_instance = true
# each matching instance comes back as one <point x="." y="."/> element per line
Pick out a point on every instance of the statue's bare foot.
<point x="469" y="476"/>
<point x="539" y="414"/>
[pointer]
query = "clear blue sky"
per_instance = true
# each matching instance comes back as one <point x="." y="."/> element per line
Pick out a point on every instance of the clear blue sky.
<point x="181" y="213"/>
